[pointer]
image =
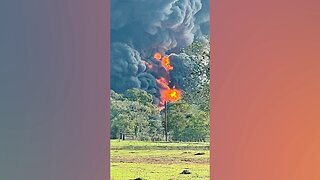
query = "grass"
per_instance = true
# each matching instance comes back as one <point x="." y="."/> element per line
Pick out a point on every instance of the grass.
<point x="158" y="161"/>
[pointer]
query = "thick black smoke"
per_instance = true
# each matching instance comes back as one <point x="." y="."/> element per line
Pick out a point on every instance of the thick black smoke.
<point x="182" y="65"/>
<point x="126" y="65"/>
<point x="140" y="28"/>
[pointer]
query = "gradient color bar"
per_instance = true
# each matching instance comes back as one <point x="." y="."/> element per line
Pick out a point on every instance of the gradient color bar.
<point x="53" y="94"/>
<point x="265" y="99"/>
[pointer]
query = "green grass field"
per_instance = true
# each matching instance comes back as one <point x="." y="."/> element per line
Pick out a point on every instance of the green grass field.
<point x="159" y="161"/>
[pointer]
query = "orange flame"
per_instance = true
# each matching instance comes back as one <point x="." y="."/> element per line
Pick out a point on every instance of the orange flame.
<point x="167" y="94"/>
<point x="171" y="95"/>
<point x="163" y="83"/>
<point x="157" y="56"/>
<point x="166" y="63"/>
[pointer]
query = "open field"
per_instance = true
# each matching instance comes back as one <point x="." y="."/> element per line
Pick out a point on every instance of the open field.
<point x="159" y="161"/>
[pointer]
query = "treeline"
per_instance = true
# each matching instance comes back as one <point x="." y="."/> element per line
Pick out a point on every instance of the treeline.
<point x="133" y="113"/>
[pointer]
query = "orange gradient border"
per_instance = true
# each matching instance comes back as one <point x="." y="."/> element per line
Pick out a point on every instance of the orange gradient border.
<point x="265" y="103"/>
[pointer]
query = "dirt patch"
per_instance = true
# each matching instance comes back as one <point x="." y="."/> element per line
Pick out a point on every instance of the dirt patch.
<point x="186" y="160"/>
<point x="159" y="160"/>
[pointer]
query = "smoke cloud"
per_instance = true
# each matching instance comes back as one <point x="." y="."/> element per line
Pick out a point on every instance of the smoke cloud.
<point x="139" y="28"/>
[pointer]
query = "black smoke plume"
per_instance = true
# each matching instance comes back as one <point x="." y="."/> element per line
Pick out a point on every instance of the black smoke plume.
<point x="139" y="28"/>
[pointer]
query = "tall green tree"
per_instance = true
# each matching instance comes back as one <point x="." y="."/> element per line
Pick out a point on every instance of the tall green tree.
<point x="134" y="113"/>
<point x="198" y="78"/>
<point x="187" y="123"/>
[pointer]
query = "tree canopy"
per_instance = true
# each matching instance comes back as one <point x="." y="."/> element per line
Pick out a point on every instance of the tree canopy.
<point x="198" y="78"/>
<point x="134" y="113"/>
<point x="187" y="123"/>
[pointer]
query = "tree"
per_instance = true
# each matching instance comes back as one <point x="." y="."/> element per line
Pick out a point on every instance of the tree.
<point x="134" y="113"/>
<point x="198" y="78"/>
<point x="138" y="95"/>
<point x="187" y="122"/>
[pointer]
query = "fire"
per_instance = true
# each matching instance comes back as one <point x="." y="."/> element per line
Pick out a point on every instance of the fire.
<point x="166" y="63"/>
<point x="163" y="83"/>
<point x="167" y="93"/>
<point x="157" y="56"/>
<point x="171" y="95"/>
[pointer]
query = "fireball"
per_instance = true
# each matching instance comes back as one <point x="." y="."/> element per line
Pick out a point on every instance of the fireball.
<point x="157" y="56"/>
<point x="171" y="95"/>
<point x="166" y="63"/>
